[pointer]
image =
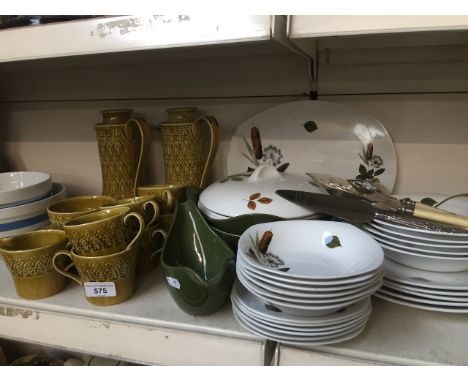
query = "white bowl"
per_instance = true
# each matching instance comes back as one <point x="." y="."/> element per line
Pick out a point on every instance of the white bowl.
<point x="311" y="250"/>
<point x="23" y="187"/>
<point x="28" y="217"/>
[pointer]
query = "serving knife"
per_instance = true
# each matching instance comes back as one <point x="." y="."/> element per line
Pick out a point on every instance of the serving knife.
<point x="355" y="208"/>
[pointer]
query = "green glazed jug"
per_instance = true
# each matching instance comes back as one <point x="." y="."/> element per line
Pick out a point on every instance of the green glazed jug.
<point x="198" y="265"/>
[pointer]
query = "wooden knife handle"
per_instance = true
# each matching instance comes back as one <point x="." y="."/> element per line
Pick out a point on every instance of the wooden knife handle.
<point x="421" y="211"/>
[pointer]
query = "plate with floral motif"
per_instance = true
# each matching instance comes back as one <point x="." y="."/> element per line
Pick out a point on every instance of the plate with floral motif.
<point x="315" y="136"/>
<point x="310" y="250"/>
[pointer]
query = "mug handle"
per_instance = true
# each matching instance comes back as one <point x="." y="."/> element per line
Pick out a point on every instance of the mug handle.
<point x="156" y="211"/>
<point x="64" y="272"/>
<point x="145" y="133"/>
<point x="214" y="132"/>
<point x="164" y="235"/>
<point x="169" y="199"/>
<point x="141" y="222"/>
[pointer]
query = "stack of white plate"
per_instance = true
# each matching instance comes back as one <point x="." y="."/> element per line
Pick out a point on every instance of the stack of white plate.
<point x="267" y="321"/>
<point x="422" y="248"/>
<point x="24" y="198"/>
<point x="306" y="269"/>
<point x="439" y="291"/>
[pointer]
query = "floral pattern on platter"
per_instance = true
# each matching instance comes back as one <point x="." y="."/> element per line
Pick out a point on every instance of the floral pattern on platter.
<point x="251" y="203"/>
<point x="373" y="165"/>
<point x="272" y="308"/>
<point x="259" y="250"/>
<point x="268" y="155"/>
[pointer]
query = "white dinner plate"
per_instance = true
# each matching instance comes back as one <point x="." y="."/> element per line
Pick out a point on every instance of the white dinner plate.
<point x="452" y="241"/>
<point x="413" y="298"/>
<point x="426" y="279"/>
<point x="300" y="334"/>
<point x="421" y="233"/>
<point x="314" y="341"/>
<point x="316" y="136"/>
<point x="449" y="248"/>
<point x="426" y="262"/>
<point x="262" y="308"/>
<point x="424" y="293"/>
<point x="436" y="308"/>
<point x="323" y="329"/>
<point x="431" y="291"/>
<point x="310" y="250"/>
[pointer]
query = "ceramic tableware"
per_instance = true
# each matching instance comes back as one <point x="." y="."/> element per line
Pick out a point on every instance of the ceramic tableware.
<point x="31" y="216"/>
<point x="67" y="209"/>
<point x="410" y="242"/>
<point x="123" y="144"/>
<point x="310" y="250"/>
<point x="259" y="307"/>
<point x="425" y="293"/>
<point x="409" y="296"/>
<point x="454" y="281"/>
<point x="115" y="272"/>
<point x="254" y="193"/>
<point x="315" y="137"/>
<point x="150" y="247"/>
<point x="29" y="259"/>
<point x="23" y="187"/>
<point x="165" y="195"/>
<point x="424" y="261"/>
<point x="103" y="232"/>
<point x="146" y="206"/>
<point x="420" y="305"/>
<point x="187" y="160"/>
<point x="198" y="265"/>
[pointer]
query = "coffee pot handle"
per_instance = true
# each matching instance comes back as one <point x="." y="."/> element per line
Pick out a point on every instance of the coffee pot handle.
<point x="145" y="133"/>
<point x="214" y="132"/>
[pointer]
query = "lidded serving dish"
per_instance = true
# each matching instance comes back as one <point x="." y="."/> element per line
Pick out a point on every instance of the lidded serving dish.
<point x="254" y="193"/>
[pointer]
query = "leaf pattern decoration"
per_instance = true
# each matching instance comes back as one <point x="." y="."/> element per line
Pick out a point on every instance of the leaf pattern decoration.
<point x="310" y="126"/>
<point x="251" y="203"/>
<point x="283" y="167"/>
<point x="273" y="308"/>
<point x="332" y="241"/>
<point x="255" y="196"/>
<point x="283" y="269"/>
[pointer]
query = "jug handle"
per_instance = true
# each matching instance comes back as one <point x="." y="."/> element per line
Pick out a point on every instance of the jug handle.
<point x="214" y="131"/>
<point x="144" y="130"/>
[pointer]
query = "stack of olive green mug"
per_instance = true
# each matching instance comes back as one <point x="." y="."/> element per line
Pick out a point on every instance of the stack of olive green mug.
<point x="107" y="246"/>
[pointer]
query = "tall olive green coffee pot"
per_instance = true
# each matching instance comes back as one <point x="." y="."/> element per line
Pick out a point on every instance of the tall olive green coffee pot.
<point x="188" y="154"/>
<point x="123" y="144"/>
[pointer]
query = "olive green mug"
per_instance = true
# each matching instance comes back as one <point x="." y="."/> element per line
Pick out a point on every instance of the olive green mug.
<point x="103" y="232"/>
<point x="145" y="205"/>
<point x="67" y="209"/>
<point x="29" y="259"/>
<point x="107" y="280"/>
<point x="164" y="194"/>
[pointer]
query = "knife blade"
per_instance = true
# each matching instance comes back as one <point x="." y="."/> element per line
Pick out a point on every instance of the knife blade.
<point x="357" y="209"/>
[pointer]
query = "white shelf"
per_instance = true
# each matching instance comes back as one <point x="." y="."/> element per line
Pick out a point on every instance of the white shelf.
<point x="148" y="328"/>
<point x="395" y="335"/>
<point x="134" y="33"/>
<point x="303" y="26"/>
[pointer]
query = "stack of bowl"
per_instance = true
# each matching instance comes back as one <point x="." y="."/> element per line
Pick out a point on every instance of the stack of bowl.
<point x="306" y="272"/>
<point x="423" y="258"/>
<point x="24" y="198"/>
<point x="233" y="204"/>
